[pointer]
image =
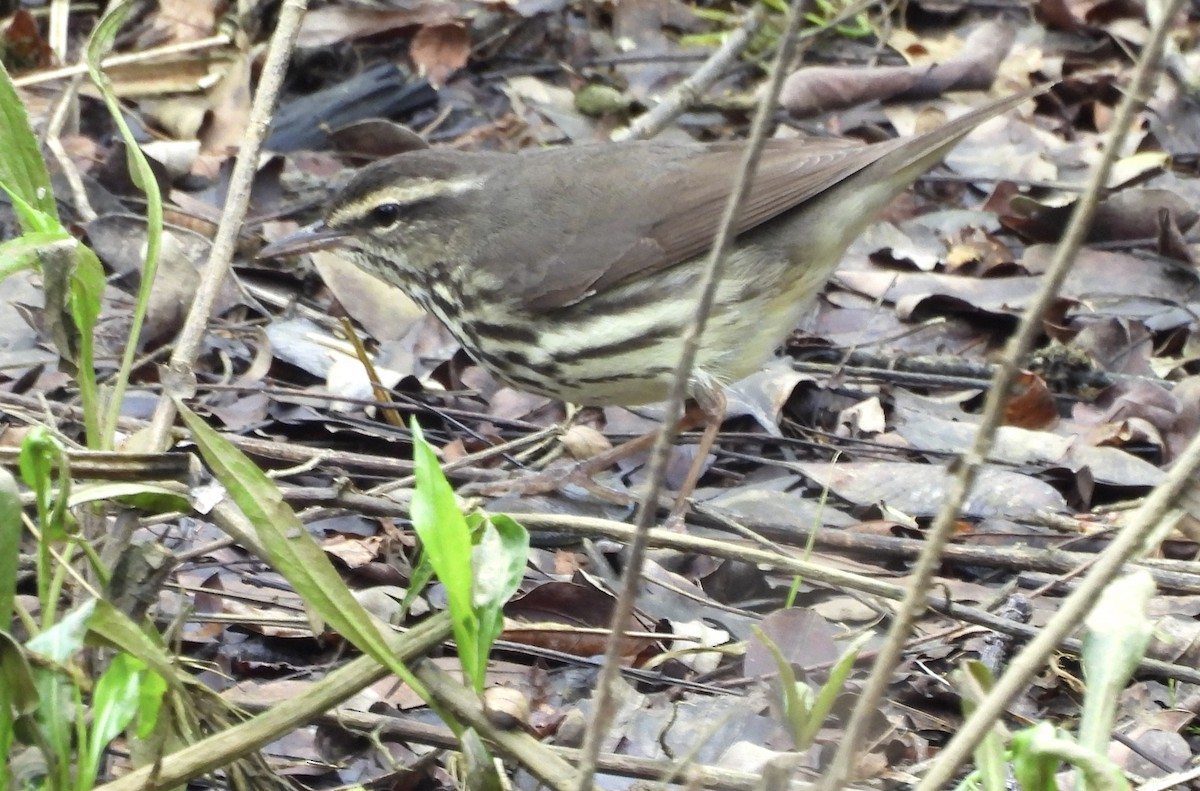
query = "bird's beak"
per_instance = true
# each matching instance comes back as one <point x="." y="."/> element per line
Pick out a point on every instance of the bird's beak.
<point x="306" y="240"/>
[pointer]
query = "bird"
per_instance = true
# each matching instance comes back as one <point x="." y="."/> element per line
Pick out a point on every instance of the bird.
<point x="572" y="271"/>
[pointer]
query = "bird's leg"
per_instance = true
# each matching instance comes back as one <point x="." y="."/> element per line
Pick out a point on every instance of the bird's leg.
<point x="709" y="411"/>
<point x="581" y="473"/>
<point x="550" y="449"/>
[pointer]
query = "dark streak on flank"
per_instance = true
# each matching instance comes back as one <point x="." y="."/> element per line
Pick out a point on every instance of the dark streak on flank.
<point x="648" y="340"/>
<point x="503" y="365"/>
<point x="525" y="382"/>
<point x="610" y="303"/>
<point x="645" y="373"/>
<point x="520" y="359"/>
<point x="517" y="333"/>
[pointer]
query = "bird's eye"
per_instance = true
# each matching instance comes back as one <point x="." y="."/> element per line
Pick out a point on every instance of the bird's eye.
<point x="384" y="215"/>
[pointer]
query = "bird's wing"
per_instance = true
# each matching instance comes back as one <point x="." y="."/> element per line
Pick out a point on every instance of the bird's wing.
<point x="664" y="211"/>
<point x="659" y="207"/>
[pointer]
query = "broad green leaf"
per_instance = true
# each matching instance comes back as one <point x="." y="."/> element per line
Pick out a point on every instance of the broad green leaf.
<point x="22" y="169"/>
<point x="446" y="541"/>
<point x="60" y="642"/>
<point x="115" y="703"/>
<point x="499" y="561"/>
<point x="151" y="695"/>
<point x="292" y="552"/>
<point x="57" y="693"/>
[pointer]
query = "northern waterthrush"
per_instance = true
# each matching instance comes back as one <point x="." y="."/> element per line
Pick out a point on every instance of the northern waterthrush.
<point x="571" y="272"/>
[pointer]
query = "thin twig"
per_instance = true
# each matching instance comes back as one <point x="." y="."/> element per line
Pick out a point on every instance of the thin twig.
<point x="914" y="604"/>
<point x="604" y="700"/>
<point x="1159" y="508"/>
<point x="123" y="60"/>
<point x="57" y="33"/>
<point x="179" y="377"/>
<point x="222" y="747"/>
<point x="817" y="573"/>
<point x="688" y="92"/>
<point x="64" y="108"/>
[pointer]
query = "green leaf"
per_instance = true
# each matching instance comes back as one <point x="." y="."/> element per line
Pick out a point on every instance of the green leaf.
<point x="1034" y="767"/>
<point x="98" y="46"/>
<point x="1116" y="635"/>
<point x="283" y="537"/>
<point x="40" y="454"/>
<point x="151" y="695"/>
<point x="796" y="697"/>
<point x="110" y="627"/>
<point x="422" y="574"/>
<point x="146" y="497"/>
<point x="87" y="291"/>
<point x="57" y="693"/>
<point x="292" y="552"/>
<point x="446" y="541"/>
<point x="500" y="567"/>
<point x="18" y="698"/>
<point x="57" y="262"/>
<point x="498" y="561"/>
<point x="16" y="676"/>
<point x="60" y="642"/>
<point x="114" y="705"/>
<point x="974" y="682"/>
<point x="828" y="694"/>
<point x="21" y="253"/>
<point x="22" y="169"/>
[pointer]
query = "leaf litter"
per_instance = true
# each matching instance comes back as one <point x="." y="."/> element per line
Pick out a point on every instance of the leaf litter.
<point x="853" y="461"/>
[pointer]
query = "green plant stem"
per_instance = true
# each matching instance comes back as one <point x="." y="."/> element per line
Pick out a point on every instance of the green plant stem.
<point x="98" y="46"/>
<point x="230" y="744"/>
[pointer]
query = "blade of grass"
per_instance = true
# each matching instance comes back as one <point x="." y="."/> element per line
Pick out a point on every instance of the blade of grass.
<point x="292" y="552"/>
<point x="99" y="45"/>
<point x="58" y="254"/>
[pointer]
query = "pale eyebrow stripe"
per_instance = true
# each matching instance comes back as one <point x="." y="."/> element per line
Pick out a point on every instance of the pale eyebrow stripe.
<point x="406" y="194"/>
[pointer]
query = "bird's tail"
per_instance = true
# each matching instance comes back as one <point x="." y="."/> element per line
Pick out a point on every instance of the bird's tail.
<point x="853" y="203"/>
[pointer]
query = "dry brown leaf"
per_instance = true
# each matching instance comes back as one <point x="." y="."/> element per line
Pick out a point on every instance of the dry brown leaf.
<point x="819" y="89"/>
<point x="1031" y="404"/>
<point x="181" y="21"/>
<point x="224" y="126"/>
<point x="440" y="50"/>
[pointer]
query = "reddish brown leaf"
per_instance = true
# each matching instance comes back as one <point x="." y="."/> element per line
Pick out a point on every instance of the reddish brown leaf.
<point x="440" y="50"/>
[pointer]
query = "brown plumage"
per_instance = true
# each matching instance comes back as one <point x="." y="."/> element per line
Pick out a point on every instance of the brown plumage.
<point x="571" y="272"/>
